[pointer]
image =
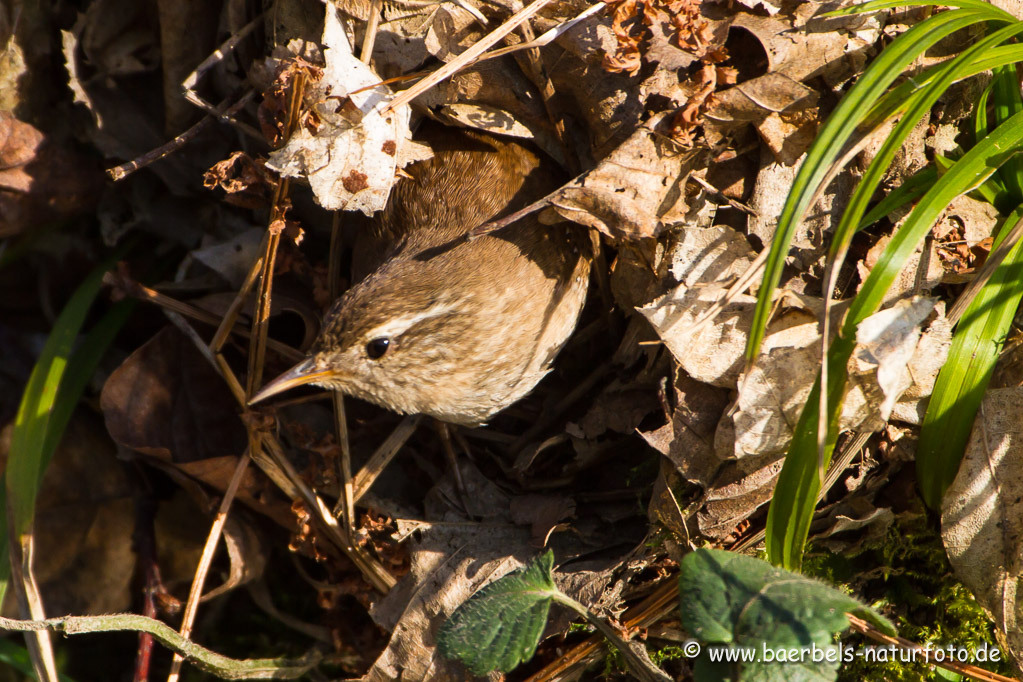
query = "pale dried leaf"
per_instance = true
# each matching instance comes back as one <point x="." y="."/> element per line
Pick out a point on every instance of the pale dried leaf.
<point x="488" y="118"/>
<point x="885" y="344"/>
<point x="736" y="492"/>
<point x="768" y="197"/>
<point x="890" y="357"/>
<point x="351" y="158"/>
<point x="452" y="30"/>
<point x="713" y="254"/>
<point x="982" y="512"/>
<point x="713" y="354"/>
<point x="699" y="258"/>
<point x="233" y="258"/>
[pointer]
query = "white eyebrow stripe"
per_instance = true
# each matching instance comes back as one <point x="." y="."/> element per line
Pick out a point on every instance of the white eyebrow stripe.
<point x="398" y="325"/>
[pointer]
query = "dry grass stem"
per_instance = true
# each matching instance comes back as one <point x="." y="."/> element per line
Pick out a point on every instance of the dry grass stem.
<point x="30" y="602"/>
<point x="206" y="559"/>
<point x="144" y="293"/>
<point x="345" y="507"/>
<point x="383" y="455"/>
<point x="372" y="570"/>
<point x="971" y="671"/>
<point x="125" y="169"/>
<point x="227" y="322"/>
<point x="371" y="31"/>
<point x="462" y="60"/>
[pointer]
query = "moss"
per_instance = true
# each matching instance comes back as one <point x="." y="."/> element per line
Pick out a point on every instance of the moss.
<point x="907" y="577"/>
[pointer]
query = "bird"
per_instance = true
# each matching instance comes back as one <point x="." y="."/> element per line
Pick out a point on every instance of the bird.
<point x="441" y="325"/>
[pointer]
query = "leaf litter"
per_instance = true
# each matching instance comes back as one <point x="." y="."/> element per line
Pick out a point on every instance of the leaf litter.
<point x="673" y="434"/>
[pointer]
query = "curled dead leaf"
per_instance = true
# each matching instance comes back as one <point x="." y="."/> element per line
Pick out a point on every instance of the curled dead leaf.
<point x="630" y="193"/>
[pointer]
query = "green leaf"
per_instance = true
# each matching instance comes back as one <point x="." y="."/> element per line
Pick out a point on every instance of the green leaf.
<point x="837" y="131"/>
<point x="1007" y="101"/>
<point x="795" y="496"/>
<point x="919" y="104"/>
<point x="500" y="626"/>
<point x="16" y="656"/>
<point x="878" y="5"/>
<point x="964" y="377"/>
<point x="730" y="598"/>
<point x="53" y="390"/>
<point x="745" y="603"/>
<point x="912" y="189"/>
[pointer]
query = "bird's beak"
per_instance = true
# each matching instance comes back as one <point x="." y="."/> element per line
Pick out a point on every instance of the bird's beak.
<point x="301" y="374"/>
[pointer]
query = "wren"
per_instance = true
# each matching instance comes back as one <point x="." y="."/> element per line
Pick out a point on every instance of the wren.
<point x="440" y="325"/>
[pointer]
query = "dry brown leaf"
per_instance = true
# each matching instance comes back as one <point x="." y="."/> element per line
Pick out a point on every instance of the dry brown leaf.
<point x="773" y="393"/>
<point x="801" y="46"/>
<point x="688" y="439"/>
<point x="872" y="524"/>
<point x="166" y="401"/>
<point x="84" y="559"/>
<point x="738" y="490"/>
<point x="542" y="513"/>
<point x="39" y="181"/>
<point x="930" y="355"/>
<point x="121" y="37"/>
<point x="450" y="561"/>
<point x="451" y="32"/>
<point x="782" y="109"/>
<point x="629" y="193"/>
<point x="982" y="513"/>
<point x="975" y="219"/>
<point x="244" y="180"/>
<point x="618" y="407"/>
<point x="232" y="259"/>
<point x="768" y="197"/>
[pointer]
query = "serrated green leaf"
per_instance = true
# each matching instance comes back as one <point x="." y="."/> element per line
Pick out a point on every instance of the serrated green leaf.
<point x="731" y="598"/>
<point x="500" y="626"/>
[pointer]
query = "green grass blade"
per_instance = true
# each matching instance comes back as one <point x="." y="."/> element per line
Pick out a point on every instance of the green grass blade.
<point x="788" y="520"/>
<point x="964" y="377"/>
<point x="1007" y="101"/>
<point x="795" y="495"/>
<point x="15" y="656"/>
<point x="969" y="172"/>
<point x="833" y="137"/>
<point x="919" y="105"/>
<point x="897" y="99"/>
<point x="24" y="468"/>
<point x="79" y="370"/>
<point x="912" y="189"/>
<point x="980" y="122"/>
<point x="992" y="190"/>
<point x="995" y="13"/>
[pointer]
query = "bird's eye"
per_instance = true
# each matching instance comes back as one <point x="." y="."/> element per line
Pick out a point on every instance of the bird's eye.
<point x="377" y="347"/>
